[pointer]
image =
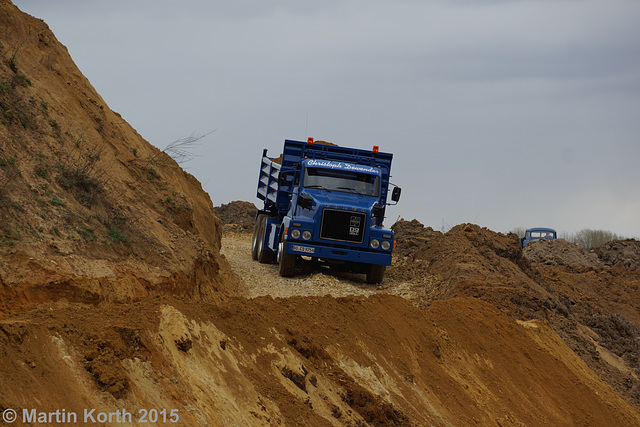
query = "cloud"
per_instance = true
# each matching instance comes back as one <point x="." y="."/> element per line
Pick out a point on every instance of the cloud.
<point x="483" y="103"/>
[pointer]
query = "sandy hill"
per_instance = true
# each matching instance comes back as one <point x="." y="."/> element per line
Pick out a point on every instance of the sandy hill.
<point x="589" y="298"/>
<point x="116" y="305"/>
<point x="89" y="210"/>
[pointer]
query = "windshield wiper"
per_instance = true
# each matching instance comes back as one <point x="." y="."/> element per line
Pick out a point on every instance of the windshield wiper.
<point x="316" y="186"/>
<point x="353" y="190"/>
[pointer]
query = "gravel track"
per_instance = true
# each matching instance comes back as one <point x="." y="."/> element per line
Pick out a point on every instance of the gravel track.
<point x="263" y="279"/>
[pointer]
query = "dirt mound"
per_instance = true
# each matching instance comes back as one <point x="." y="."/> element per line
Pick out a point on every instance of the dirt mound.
<point x="89" y="210"/>
<point x="410" y="235"/>
<point x="561" y="252"/>
<point x="237" y="216"/>
<point x="468" y="260"/>
<point x="315" y="360"/>
<point x="470" y="253"/>
<point x="595" y="309"/>
<point x="620" y="253"/>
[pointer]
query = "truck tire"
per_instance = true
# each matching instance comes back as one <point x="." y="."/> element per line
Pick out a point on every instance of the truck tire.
<point x="286" y="262"/>
<point x="375" y="273"/>
<point x="256" y="234"/>
<point x="264" y="255"/>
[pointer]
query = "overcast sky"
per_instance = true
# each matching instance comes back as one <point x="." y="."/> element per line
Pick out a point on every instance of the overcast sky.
<point x="501" y="113"/>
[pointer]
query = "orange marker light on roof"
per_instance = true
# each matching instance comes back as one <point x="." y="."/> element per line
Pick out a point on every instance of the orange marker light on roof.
<point x="309" y="141"/>
<point x="375" y="149"/>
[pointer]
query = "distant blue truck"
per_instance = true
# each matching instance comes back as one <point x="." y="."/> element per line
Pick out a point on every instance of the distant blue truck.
<point x="538" y="233"/>
<point x="325" y="203"/>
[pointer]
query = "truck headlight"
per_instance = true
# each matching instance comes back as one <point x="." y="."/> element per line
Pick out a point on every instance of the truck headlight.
<point x="295" y="233"/>
<point x="306" y="235"/>
<point x="385" y="245"/>
<point x="374" y="243"/>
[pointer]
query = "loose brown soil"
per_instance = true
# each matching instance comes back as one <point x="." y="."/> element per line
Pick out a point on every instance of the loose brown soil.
<point x="237" y="216"/>
<point x="589" y="298"/>
<point x="120" y="292"/>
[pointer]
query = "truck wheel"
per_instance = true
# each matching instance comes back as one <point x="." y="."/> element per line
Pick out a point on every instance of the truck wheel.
<point x="375" y="273"/>
<point x="264" y="255"/>
<point x="256" y="236"/>
<point x="287" y="262"/>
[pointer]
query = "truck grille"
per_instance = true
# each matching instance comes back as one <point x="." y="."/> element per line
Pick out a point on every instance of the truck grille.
<point x="342" y="225"/>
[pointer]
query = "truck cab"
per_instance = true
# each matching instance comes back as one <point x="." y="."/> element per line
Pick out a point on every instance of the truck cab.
<point x="326" y="204"/>
<point x="538" y="233"/>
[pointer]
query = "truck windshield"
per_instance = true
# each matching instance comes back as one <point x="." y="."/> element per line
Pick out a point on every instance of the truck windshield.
<point x="539" y="234"/>
<point x="339" y="180"/>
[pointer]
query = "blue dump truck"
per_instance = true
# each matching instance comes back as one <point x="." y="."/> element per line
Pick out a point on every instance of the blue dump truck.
<point x="325" y="203"/>
<point x="538" y="233"/>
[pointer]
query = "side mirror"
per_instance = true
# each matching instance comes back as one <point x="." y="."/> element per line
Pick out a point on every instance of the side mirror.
<point x="395" y="194"/>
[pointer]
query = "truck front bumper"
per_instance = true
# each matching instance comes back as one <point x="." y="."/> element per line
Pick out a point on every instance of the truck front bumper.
<point x="340" y="254"/>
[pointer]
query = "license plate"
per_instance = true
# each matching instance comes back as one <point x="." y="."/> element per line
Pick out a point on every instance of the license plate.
<point x="305" y="249"/>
